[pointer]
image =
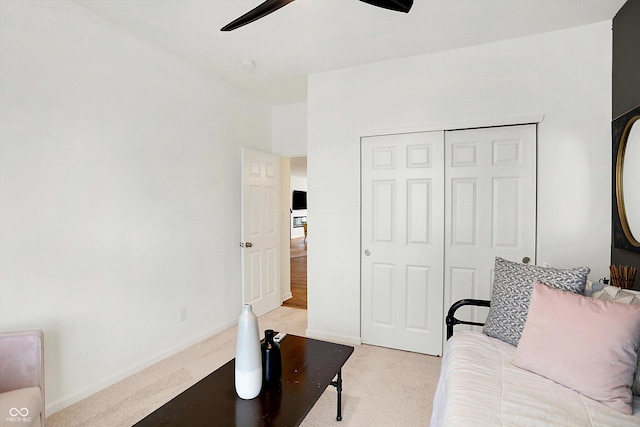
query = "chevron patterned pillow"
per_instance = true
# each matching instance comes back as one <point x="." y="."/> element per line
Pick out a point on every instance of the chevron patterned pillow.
<point x="512" y="287"/>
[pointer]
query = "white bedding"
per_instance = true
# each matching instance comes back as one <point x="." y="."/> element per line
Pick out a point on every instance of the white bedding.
<point x="479" y="386"/>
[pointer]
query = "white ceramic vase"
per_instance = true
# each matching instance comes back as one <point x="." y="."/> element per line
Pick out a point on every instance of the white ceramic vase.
<point x="248" y="375"/>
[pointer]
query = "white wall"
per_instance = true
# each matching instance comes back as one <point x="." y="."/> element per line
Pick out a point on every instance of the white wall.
<point x="564" y="75"/>
<point x="289" y="129"/>
<point x="119" y="195"/>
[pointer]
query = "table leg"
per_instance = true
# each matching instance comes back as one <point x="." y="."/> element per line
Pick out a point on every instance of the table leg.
<point x="338" y="385"/>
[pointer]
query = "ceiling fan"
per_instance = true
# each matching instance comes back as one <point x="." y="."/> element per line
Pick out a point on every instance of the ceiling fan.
<point x="269" y="6"/>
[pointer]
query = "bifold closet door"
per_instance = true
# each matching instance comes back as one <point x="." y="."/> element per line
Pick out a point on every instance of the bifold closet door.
<point x="490" y="208"/>
<point x="402" y="241"/>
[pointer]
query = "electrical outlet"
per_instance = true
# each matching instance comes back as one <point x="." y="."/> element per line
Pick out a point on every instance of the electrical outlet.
<point x="183" y="314"/>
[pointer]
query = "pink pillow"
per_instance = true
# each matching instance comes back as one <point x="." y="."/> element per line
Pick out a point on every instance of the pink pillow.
<point x="582" y="343"/>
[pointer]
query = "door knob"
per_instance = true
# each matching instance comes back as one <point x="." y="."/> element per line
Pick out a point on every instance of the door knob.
<point x="526" y="260"/>
<point x="248" y="245"/>
<point x="367" y="252"/>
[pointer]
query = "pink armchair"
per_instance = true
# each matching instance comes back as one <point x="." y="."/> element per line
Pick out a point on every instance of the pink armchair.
<point x="22" y="378"/>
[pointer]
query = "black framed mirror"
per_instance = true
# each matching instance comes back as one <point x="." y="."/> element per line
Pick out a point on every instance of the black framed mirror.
<point x="626" y="181"/>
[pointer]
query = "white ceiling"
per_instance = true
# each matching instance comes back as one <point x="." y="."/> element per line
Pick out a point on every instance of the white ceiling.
<point x="312" y="36"/>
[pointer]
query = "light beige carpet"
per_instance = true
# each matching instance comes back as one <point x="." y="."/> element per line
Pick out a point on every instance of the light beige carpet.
<point x="381" y="387"/>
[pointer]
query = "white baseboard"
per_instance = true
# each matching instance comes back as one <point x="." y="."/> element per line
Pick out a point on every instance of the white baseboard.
<point x="53" y="407"/>
<point x="287" y="296"/>
<point x="341" y="339"/>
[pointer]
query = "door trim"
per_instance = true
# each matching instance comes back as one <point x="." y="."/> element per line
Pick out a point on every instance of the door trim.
<point x="454" y="125"/>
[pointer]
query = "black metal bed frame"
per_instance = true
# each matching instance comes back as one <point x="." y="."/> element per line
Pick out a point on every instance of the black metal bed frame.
<point x="452" y="320"/>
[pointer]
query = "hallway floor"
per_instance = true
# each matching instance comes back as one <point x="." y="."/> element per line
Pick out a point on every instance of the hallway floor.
<point x="298" y="274"/>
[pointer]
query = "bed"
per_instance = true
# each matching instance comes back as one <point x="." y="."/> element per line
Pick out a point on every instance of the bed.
<point x="479" y="384"/>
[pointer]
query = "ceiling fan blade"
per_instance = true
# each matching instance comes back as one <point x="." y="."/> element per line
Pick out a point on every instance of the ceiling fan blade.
<point x="397" y="5"/>
<point x="260" y="11"/>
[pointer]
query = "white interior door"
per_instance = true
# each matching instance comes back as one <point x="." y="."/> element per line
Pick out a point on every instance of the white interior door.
<point x="402" y="241"/>
<point x="490" y="208"/>
<point x="260" y="231"/>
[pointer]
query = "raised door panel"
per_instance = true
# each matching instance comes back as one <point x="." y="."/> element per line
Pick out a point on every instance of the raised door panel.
<point x="417" y="297"/>
<point x="384" y="207"/>
<point x="419" y="207"/>
<point x="464" y="211"/>
<point x="382" y="295"/>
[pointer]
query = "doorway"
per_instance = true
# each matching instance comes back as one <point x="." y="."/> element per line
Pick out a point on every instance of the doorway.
<point x="298" y="233"/>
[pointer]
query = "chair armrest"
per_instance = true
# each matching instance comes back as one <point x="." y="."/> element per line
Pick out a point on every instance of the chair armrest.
<point x="451" y="319"/>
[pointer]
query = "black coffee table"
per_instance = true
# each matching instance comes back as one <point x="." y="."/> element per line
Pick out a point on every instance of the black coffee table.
<point x="308" y="367"/>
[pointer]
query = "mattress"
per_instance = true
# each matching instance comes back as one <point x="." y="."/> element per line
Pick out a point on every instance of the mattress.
<point x="479" y="386"/>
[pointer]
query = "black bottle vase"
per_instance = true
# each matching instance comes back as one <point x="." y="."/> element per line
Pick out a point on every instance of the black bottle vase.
<point x="271" y="359"/>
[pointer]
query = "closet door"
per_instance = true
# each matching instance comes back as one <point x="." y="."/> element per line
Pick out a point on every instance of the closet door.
<point x="402" y="241"/>
<point x="490" y="208"/>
